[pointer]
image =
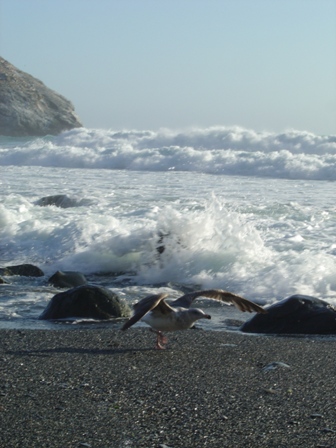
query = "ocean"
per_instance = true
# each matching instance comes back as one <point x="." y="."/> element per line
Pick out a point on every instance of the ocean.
<point x="250" y="212"/>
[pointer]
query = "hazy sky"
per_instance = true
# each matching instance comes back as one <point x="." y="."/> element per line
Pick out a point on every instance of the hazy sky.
<point x="145" y="64"/>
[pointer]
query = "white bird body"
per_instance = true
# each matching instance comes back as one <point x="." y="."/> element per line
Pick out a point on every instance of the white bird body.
<point x="180" y="319"/>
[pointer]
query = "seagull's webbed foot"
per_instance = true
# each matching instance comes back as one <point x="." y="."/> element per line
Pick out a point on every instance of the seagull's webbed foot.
<point x="158" y="346"/>
<point x="161" y="340"/>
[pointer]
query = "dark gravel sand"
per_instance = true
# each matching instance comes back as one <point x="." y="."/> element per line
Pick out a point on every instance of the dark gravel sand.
<point x="104" y="388"/>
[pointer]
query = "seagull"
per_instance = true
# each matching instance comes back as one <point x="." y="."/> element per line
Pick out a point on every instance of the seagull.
<point x="177" y="315"/>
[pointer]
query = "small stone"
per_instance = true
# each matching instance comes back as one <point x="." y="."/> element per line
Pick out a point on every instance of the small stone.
<point x="270" y="391"/>
<point x="328" y="430"/>
<point x="275" y="365"/>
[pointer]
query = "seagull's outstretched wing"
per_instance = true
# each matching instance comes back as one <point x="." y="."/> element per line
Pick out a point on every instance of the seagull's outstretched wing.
<point x="223" y="296"/>
<point x="148" y="304"/>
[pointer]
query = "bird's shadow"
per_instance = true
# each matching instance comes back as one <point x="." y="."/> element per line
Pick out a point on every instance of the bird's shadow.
<point x="78" y="351"/>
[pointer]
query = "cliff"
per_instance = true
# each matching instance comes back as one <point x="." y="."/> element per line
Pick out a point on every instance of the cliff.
<point x="29" y="108"/>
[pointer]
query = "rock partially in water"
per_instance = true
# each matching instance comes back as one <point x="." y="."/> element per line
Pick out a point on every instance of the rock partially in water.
<point x="62" y="201"/>
<point x="87" y="301"/>
<point x="29" y="108"/>
<point x="26" y="270"/>
<point x="67" y="279"/>
<point x="298" y="314"/>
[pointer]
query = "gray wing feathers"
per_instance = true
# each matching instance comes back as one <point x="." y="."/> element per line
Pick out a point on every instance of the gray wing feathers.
<point x="223" y="296"/>
<point x="144" y="306"/>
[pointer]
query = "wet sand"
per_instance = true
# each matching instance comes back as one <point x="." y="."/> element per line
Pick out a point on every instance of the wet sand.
<point x="105" y="388"/>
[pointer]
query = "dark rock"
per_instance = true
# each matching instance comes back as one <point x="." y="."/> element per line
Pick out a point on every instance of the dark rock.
<point x="161" y="247"/>
<point x="62" y="201"/>
<point x="29" y="108"/>
<point x="298" y="314"/>
<point x="86" y="301"/>
<point x="163" y="239"/>
<point x="26" y="270"/>
<point x="67" y="279"/>
<point x="2" y="281"/>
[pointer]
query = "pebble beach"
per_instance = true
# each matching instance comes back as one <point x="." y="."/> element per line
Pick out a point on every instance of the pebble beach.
<point x="105" y="388"/>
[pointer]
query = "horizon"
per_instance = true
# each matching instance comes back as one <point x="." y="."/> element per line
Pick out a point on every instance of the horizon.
<point x="181" y="65"/>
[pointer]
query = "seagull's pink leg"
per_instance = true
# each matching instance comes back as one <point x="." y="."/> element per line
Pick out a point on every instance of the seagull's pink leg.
<point x="161" y="340"/>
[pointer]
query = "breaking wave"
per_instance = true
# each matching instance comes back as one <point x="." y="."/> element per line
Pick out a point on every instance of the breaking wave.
<point x="215" y="150"/>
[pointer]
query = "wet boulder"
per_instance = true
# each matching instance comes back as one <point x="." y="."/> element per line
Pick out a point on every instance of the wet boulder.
<point x="298" y="314"/>
<point x="26" y="270"/>
<point x="62" y="201"/>
<point x="86" y="301"/>
<point x="67" y="279"/>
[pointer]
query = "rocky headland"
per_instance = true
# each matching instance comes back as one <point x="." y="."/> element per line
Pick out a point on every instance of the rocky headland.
<point x="29" y="108"/>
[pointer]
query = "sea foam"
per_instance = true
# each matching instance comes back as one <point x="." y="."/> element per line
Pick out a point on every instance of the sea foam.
<point x="215" y="150"/>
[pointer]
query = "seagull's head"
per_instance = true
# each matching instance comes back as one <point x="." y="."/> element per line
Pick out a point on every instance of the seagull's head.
<point x="197" y="314"/>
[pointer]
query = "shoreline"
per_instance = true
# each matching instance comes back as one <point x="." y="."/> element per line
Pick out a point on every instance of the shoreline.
<point x="106" y="388"/>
